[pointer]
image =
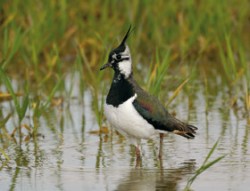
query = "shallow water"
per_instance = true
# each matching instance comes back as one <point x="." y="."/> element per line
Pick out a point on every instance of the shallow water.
<point x="69" y="157"/>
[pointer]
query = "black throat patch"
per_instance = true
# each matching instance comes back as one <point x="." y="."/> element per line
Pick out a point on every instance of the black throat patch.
<point x="121" y="90"/>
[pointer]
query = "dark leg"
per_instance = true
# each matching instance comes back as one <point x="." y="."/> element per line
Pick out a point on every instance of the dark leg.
<point x="137" y="152"/>
<point x="138" y="156"/>
<point x="161" y="145"/>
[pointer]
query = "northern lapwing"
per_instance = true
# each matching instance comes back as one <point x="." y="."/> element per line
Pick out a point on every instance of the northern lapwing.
<point x="131" y="110"/>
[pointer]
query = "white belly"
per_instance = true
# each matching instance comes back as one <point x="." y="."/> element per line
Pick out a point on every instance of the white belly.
<point x="127" y="120"/>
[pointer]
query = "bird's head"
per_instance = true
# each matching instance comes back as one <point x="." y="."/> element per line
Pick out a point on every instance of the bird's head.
<point x="120" y="59"/>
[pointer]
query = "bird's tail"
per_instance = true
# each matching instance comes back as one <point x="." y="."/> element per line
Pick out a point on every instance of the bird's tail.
<point x="184" y="129"/>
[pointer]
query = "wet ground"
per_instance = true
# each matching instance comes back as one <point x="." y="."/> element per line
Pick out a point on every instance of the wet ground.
<point x="72" y="156"/>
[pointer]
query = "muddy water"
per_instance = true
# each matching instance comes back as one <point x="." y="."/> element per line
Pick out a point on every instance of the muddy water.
<point x="69" y="157"/>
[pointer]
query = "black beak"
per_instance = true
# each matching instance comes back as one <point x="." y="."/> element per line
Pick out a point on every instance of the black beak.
<point x="106" y="66"/>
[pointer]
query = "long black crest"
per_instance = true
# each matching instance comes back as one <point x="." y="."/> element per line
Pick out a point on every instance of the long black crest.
<point x="126" y="36"/>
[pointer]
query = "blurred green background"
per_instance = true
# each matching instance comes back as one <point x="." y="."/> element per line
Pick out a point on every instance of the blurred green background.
<point x="45" y="37"/>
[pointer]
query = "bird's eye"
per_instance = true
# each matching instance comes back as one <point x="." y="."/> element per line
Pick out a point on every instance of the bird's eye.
<point x="118" y="57"/>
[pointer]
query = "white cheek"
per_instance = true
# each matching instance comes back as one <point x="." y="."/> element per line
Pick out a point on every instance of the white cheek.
<point x="125" y="68"/>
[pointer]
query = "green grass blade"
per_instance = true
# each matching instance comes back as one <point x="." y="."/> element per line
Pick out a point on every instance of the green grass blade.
<point x="9" y="87"/>
<point x="24" y="106"/>
<point x="52" y="93"/>
<point x="204" y="166"/>
<point x="15" y="45"/>
<point x="177" y="91"/>
<point x="4" y="120"/>
<point x="211" y="152"/>
<point x="159" y="73"/>
<point x="4" y="154"/>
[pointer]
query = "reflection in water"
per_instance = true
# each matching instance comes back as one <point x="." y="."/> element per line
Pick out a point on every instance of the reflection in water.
<point x="24" y="158"/>
<point x="156" y="179"/>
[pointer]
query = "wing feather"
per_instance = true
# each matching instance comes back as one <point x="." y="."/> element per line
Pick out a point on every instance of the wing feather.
<point x="150" y="108"/>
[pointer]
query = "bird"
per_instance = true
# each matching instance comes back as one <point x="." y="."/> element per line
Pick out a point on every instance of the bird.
<point x="131" y="110"/>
